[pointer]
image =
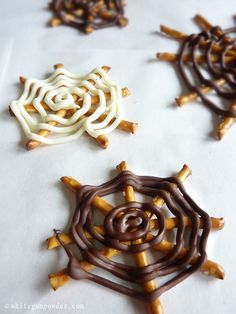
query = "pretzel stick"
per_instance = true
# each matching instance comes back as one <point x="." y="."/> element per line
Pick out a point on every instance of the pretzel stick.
<point x="102" y="139"/>
<point x="209" y="268"/>
<point x="173" y="57"/>
<point x="94" y="100"/>
<point x="184" y="99"/>
<point x="181" y="36"/>
<point x="98" y="202"/>
<point x="225" y="124"/>
<point x="141" y="259"/>
<point x="206" y="25"/>
<point x="60" y="278"/>
<point x="124" y="125"/>
<point x="202" y="22"/>
<point x="172" y="32"/>
<point x="170" y="224"/>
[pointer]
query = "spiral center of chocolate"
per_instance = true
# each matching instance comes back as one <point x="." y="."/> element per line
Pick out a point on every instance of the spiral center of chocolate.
<point x="125" y="223"/>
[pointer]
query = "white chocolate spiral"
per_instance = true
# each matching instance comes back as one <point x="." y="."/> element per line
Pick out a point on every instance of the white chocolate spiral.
<point x="57" y="93"/>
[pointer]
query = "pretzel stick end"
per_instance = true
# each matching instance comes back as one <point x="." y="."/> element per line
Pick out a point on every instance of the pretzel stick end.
<point x="31" y="144"/>
<point x="89" y="29"/>
<point x="217" y="223"/>
<point x="202" y="22"/>
<point x="167" y="56"/>
<point x="125" y="92"/>
<point x="181" y="100"/>
<point x="184" y="173"/>
<point x="22" y="79"/>
<point x="122" y="166"/>
<point x="71" y="183"/>
<point x="102" y="141"/>
<point x="106" y="68"/>
<point x="58" y="280"/>
<point x="156" y="307"/>
<point x="55" y="22"/>
<point x="224" y="127"/>
<point x="123" y="21"/>
<point x="58" y="65"/>
<point x="53" y="242"/>
<point x="127" y="126"/>
<point x="213" y="269"/>
<point x="172" y="32"/>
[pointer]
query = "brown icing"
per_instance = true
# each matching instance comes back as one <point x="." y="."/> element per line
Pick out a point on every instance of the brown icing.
<point x="129" y="222"/>
<point x="221" y="69"/>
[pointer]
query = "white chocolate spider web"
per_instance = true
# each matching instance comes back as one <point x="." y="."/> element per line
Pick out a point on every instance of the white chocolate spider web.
<point x="57" y="93"/>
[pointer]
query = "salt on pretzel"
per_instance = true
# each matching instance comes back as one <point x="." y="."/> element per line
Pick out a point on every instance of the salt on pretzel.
<point x="60" y="278"/>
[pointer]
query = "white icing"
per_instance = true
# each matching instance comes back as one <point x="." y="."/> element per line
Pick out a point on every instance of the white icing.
<point x="56" y="92"/>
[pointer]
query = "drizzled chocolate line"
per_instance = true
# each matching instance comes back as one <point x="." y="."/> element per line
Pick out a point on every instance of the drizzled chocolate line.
<point x="89" y="15"/>
<point x="191" y="46"/>
<point x="128" y="222"/>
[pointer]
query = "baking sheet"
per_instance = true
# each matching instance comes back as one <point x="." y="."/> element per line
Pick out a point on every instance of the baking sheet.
<point x="33" y="201"/>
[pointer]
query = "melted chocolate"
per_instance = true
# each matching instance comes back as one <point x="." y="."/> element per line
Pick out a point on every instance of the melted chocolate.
<point x="128" y="222"/>
<point x="89" y="15"/>
<point x="219" y="70"/>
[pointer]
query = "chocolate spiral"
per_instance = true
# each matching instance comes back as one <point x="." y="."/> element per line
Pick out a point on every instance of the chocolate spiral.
<point x="192" y="45"/>
<point x="129" y="222"/>
<point x="89" y="15"/>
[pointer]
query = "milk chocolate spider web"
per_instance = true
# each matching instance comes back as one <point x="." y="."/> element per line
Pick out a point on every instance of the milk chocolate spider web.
<point x="88" y="15"/>
<point x="129" y="228"/>
<point x="213" y="51"/>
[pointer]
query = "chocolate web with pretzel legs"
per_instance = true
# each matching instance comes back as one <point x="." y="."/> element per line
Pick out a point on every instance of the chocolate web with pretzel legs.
<point x="213" y="50"/>
<point x="88" y="15"/>
<point x="68" y="105"/>
<point x="136" y="228"/>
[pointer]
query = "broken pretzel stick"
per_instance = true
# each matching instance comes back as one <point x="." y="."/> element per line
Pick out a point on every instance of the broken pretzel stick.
<point x="141" y="259"/>
<point x="225" y="124"/>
